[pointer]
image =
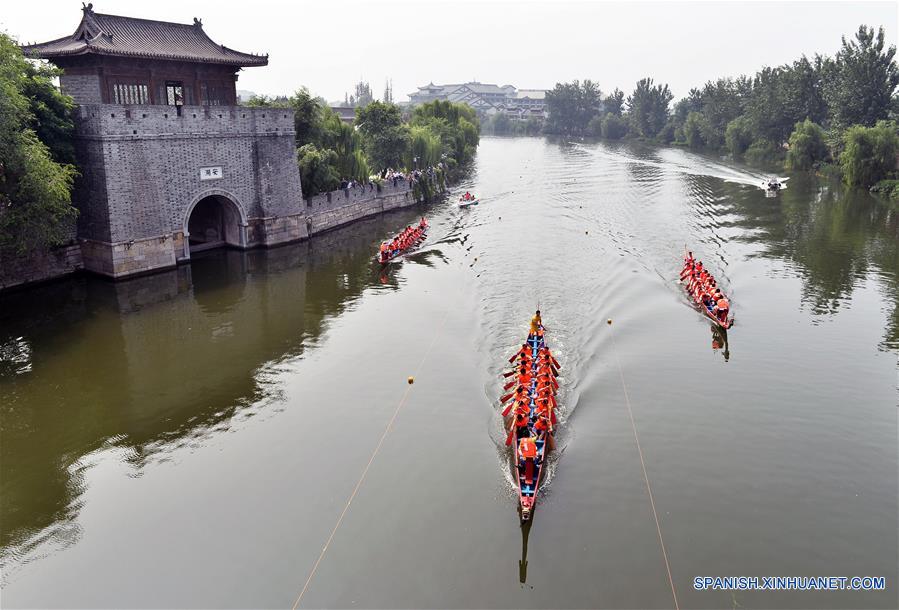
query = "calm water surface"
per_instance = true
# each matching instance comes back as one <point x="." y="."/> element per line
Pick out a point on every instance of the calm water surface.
<point x="190" y="439"/>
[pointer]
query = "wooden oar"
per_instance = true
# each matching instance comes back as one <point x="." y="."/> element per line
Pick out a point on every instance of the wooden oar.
<point x="511" y="433"/>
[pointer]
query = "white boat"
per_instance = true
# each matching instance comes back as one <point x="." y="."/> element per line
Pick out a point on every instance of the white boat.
<point x="774" y="184"/>
<point x="466" y="203"/>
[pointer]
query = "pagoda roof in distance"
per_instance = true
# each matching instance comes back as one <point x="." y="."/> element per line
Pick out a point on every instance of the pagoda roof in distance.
<point x="117" y="36"/>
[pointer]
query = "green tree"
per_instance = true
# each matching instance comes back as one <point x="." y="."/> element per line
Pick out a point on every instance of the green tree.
<point x="571" y="106"/>
<point x="594" y="127"/>
<point x="763" y="152"/>
<point x="308" y="115"/>
<point x="455" y="124"/>
<point x="693" y="128"/>
<point x="346" y="143"/>
<point x="51" y="111"/>
<point x="384" y="136"/>
<point x="501" y="124"/>
<point x="533" y="126"/>
<point x="865" y="76"/>
<point x="35" y="190"/>
<point x="425" y="146"/>
<point x="869" y="154"/>
<point x="807" y="146"/>
<point x="614" y="103"/>
<point x="318" y="172"/>
<point x="785" y="95"/>
<point x="738" y="135"/>
<point x="613" y="127"/>
<point x="721" y="101"/>
<point x="647" y="107"/>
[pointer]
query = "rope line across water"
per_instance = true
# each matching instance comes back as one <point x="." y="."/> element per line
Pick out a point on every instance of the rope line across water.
<point x="652" y="503"/>
<point x="374" y="454"/>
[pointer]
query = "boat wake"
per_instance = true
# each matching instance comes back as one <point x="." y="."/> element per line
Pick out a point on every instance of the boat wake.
<point x="683" y="162"/>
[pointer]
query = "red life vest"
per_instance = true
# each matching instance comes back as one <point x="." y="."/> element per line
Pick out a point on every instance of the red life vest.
<point x="527" y="449"/>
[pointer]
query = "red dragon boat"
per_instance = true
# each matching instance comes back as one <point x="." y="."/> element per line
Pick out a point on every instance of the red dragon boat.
<point x="696" y="297"/>
<point x="532" y="417"/>
<point x="404" y="241"/>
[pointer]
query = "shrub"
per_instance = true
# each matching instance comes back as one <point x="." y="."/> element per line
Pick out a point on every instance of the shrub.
<point x="762" y="151"/>
<point x="869" y="154"/>
<point x="808" y="147"/>
<point x="613" y="127"/>
<point x="738" y="135"/>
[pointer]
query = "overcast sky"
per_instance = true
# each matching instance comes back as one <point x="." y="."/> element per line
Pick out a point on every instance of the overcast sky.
<point x="327" y="45"/>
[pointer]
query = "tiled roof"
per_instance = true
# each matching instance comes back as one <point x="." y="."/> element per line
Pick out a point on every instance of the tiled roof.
<point x="534" y="94"/>
<point x="131" y="37"/>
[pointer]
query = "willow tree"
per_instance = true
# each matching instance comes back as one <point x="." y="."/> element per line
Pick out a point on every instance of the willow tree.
<point x="456" y="125"/>
<point x="808" y="146"/>
<point x="345" y="141"/>
<point x="425" y="147"/>
<point x="870" y="153"/>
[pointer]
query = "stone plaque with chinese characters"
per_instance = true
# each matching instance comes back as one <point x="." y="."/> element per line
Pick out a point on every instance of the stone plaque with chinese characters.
<point x="211" y="173"/>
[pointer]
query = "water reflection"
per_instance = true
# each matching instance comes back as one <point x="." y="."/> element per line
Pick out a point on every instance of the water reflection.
<point x="523" y="562"/>
<point x="719" y="341"/>
<point x="156" y="362"/>
<point x="836" y="237"/>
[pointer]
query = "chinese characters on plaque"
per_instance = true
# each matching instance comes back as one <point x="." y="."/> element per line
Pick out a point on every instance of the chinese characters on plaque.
<point x="211" y="173"/>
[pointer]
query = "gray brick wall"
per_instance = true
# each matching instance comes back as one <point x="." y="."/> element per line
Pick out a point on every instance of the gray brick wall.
<point x="85" y="88"/>
<point x="330" y="210"/>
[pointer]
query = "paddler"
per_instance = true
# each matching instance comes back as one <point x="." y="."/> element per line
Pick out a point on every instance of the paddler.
<point x="527" y="448"/>
<point x="521" y="422"/>
<point x="722" y="307"/>
<point x="524" y="351"/>
<point x="542" y="424"/>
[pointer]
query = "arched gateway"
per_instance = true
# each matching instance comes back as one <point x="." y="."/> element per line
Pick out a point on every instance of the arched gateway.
<point x="214" y="219"/>
<point x="157" y="121"/>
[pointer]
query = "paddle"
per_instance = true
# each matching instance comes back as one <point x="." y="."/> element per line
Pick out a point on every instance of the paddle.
<point x="506" y="397"/>
<point x="511" y="433"/>
<point x="507" y="409"/>
<point x="509" y="385"/>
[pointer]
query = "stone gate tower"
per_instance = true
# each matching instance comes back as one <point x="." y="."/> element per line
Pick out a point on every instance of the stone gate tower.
<point x="170" y="163"/>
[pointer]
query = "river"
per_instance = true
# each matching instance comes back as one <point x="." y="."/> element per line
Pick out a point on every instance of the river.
<point x="194" y="438"/>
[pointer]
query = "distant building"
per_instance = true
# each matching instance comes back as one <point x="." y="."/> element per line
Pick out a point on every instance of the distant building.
<point x="487" y="99"/>
<point x="347" y="114"/>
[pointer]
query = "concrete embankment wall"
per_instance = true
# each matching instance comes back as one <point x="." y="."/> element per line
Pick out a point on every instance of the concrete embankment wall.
<point x="322" y="213"/>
